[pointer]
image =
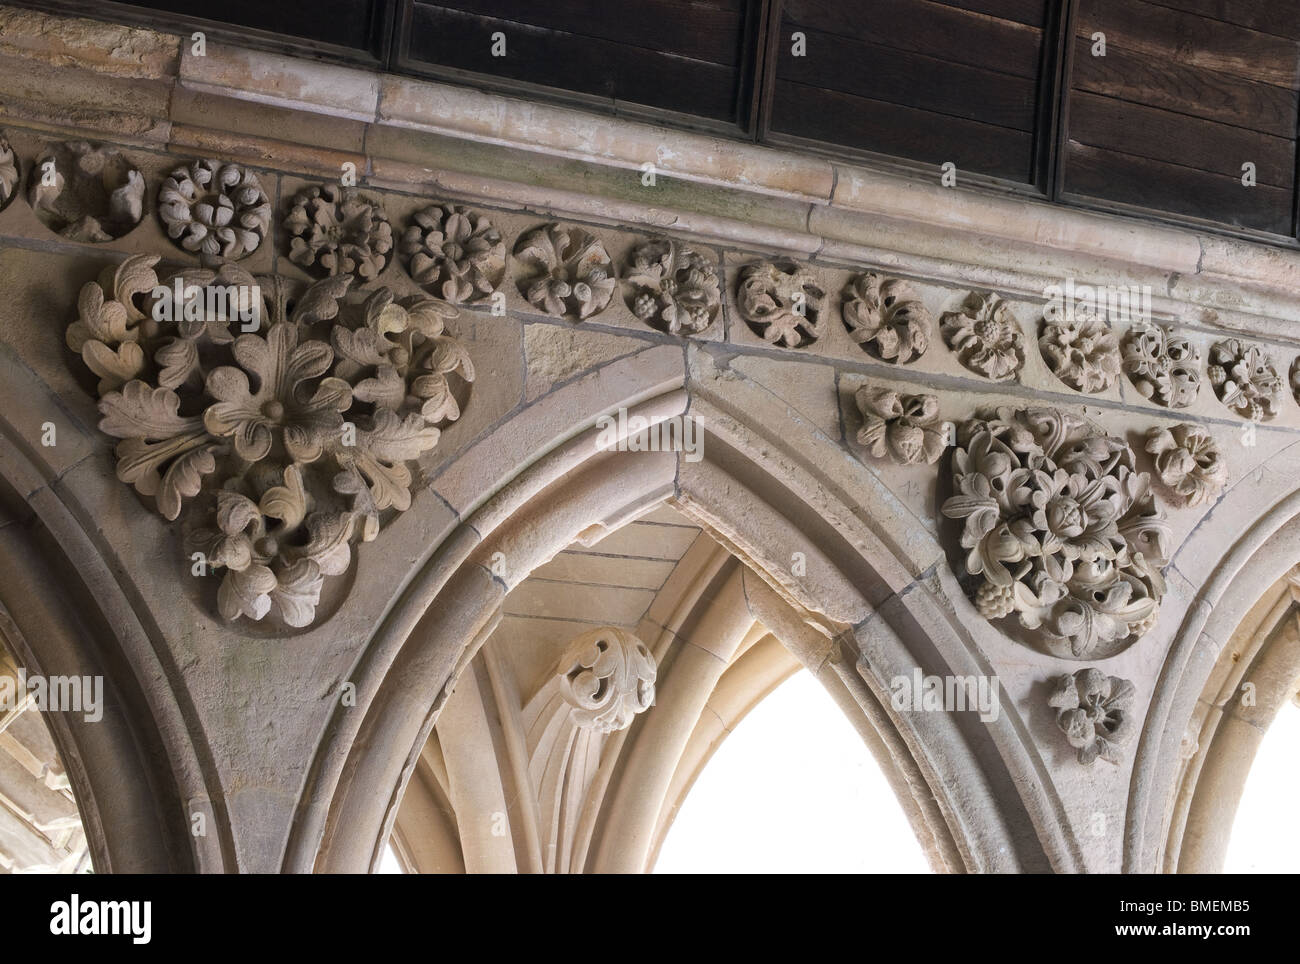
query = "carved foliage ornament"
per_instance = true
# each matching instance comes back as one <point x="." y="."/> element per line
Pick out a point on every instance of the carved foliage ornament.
<point x="607" y="677"/>
<point x="1080" y="348"/>
<point x="675" y="288"/>
<point x="1163" y="366"/>
<point x="566" y="271"/>
<point x="986" y="337"/>
<point x="1064" y="530"/>
<point x="86" y="193"/>
<point x="886" y="317"/>
<point x="1245" y="380"/>
<point x="1094" y="713"/>
<point x="334" y="230"/>
<point x="1295" y="379"/>
<point x="291" y="433"/>
<point x="782" y="303"/>
<point x="454" y="253"/>
<point x="907" y="428"/>
<point x="8" y="172"/>
<point x="1189" y="462"/>
<point x="215" y="209"/>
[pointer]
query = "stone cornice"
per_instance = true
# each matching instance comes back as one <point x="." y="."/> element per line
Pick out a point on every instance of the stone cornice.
<point x="417" y="135"/>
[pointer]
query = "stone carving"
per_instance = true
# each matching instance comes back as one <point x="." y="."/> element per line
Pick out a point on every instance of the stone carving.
<point x="782" y="303"/>
<point x="1164" y="367"/>
<point x="986" y="337"/>
<point x="1189" y="462"/>
<point x="215" y="209"/>
<point x="1065" y="531"/>
<point x="1295" y="379"/>
<point x="86" y="193"/>
<point x="1245" y="380"/>
<point x="675" y="288"/>
<point x="288" y="437"/>
<point x="454" y="253"/>
<point x="566" y="271"/>
<point x="607" y="677"/>
<point x="334" y="230"/>
<point x="907" y="428"/>
<point x="1093" y="713"/>
<point x="9" y="172"/>
<point x="886" y="317"/>
<point x="1080" y="349"/>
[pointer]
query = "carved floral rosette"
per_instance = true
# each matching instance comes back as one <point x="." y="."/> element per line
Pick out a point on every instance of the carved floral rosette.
<point x="675" y="288"/>
<point x="1164" y="367"/>
<point x="1245" y="380"/>
<point x="782" y="303"/>
<point x="9" y="172"/>
<point x="886" y="317"/>
<point x="1189" y="462"/>
<point x="986" y="337"/>
<point x="1295" y="380"/>
<point x="335" y="230"/>
<point x="565" y="271"/>
<point x="454" y="253"/>
<point x="1094" y="713"/>
<point x="607" y="677"/>
<point x="287" y="425"/>
<point x="94" y="194"/>
<point x="215" y="208"/>
<point x="1080" y="349"/>
<point x="906" y="428"/>
<point x="1064" y="530"/>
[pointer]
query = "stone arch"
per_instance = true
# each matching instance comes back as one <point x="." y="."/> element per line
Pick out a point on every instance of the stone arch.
<point x="65" y="610"/>
<point x="768" y="480"/>
<point x="1240" y="626"/>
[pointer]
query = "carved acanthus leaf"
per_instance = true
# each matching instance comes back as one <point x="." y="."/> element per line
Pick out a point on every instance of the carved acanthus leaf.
<point x="291" y="439"/>
<point x="1095" y="712"/>
<point x="1064" y="530"/>
<point x="781" y="302"/>
<point x="886" y="317"/>
<point x="607" y="676"/>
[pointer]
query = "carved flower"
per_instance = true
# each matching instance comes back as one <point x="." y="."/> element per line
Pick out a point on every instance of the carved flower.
<point x="455" y="252"/>
<point x="8" y="173"/>
<point x="215" y="209"/>
<point x="336" y="231"/>
<point x="986" y="337"/>
<point x="291" y="439"/>
<point x="566" y="271"/>
<point x="1064" y="530"/>
<point x="607" y="677"/>
<point x="906" y="427"/>
<point x="1188" y="460"/>
<point x="86" y="193"/>
<point x="676" y="288"/>
<point x="1094" y="713"/>
<point x="1080" y="349"/>
<point x="1162" y="366"/>
<point x="886" y="317"/>
<point x="782" y="303"/>
<point x="1295" y="379"/>
<point x="1245" y="380"/>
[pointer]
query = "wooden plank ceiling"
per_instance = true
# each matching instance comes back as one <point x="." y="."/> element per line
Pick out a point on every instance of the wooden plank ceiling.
<point x="1011" y="92"/>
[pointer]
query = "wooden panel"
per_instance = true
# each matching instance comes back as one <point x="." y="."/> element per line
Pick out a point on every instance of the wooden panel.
<point x="833" y="117"/>
<point x="1177" y="139"/>
<point x="1030" y="12"/>
<point x="1192" y="40"/>
<point x="1188" y="90"/>
<point x="1278" y="17"/>
<point x="1145" y="183"/>
<point x="923" y="27"/>
<point x="900" y="77"/>
<point x="587" y="64"/>
<point x="345" y="23"/>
